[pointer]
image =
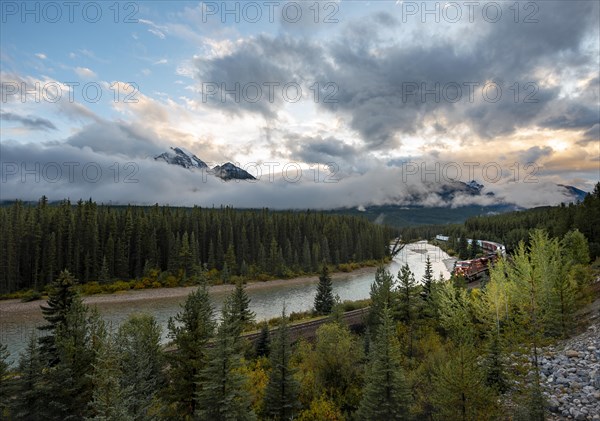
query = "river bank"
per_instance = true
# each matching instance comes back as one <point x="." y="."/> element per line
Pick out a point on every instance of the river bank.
<point x="131" y="296"/>
<point x="18" y="320"/>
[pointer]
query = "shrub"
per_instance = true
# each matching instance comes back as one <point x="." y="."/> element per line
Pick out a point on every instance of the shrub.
<point x="30" y="295"/>
<point x="91" y="288"/>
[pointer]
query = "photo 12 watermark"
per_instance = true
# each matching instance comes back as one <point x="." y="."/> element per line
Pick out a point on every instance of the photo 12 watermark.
<point x="253" y="92"/>
<point x="68" y="172"/>
<point x="325" y="12"/>
<point x="490" y="172"/>
<point x="68" y="11"/>
<point x="469" y="11"/>
<point x="52" y="92"/>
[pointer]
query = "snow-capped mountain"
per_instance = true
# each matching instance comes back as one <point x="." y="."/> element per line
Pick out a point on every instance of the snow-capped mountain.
<point x="183" y="158"/>
<point x="228" y="171"/>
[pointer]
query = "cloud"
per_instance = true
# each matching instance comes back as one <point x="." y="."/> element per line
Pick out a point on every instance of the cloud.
<point x="154" y="29"/>
<point x="85" y="73"/>
<point x="29" y="122"/>
<point x="41" y="56"/>
<point x="391" y="89"/>
<point x="78" y="171"/>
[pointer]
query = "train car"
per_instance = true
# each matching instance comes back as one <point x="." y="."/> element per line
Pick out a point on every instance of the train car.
<point x="471" y="269"/>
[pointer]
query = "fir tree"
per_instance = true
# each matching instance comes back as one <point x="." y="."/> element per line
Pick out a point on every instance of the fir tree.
<point x="385" y="395"/>
<point x="459" y="391"/>
<point x="382" y="295"/>
<point x="31" y="392"/>
<point x="427" y="280"/>
<point x="408" y="303"/>
<point x="221" y="392"/>
<point x="189" y="330"/>
<point x="281" y="395"/>
<point x="4" y="381"/>
<point x="61" y="297"/>
<point x="240" y="307"/>
<point x="141" y="363"/>
<point x="494" y="365"/>
<point x="109" y="398"/>
<point x="324" y="299"/>
<point x="77" y="341"/>
<point x="263" y="342"/>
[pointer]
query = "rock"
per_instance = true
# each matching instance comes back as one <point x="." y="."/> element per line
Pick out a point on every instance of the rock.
<point x="571" y="353"/>
<point x="553" y="405"/>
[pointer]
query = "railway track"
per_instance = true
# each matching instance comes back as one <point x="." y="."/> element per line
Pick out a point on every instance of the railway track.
<point x="307" y="330"/>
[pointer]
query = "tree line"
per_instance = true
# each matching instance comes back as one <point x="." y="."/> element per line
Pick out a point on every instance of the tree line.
<point x="103" y="243"/>
<point x="433" y="350"/>
<point x="510" y="228"/>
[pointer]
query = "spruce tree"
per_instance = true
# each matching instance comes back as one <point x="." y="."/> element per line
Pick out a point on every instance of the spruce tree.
<point x="221" y="392"/>
<point x="263" y="342"/>
<point x="459" y="390"/>
<point x="324" y="299"/>
<point x="408" y="303"/>
<point x="190" y="331"/>
<point x="240" y="307"/>
<point x="31" y="390"/>
<point x="383" y="294"/>
<point x="109" y="398"/>
<point x="141" y="363"/>
<point x="386" y="394"/>
<point x="70" y="383"/>
<point x="281" y="394"/>
<point x="4" y="381"/>
<point x="427" y="280"/>
<point x="61" y="297"/>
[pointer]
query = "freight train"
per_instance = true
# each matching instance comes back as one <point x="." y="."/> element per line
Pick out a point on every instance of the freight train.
<point x="473" y="268"/>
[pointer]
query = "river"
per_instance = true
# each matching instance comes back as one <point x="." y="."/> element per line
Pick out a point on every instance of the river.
<point x="18" y="320"/>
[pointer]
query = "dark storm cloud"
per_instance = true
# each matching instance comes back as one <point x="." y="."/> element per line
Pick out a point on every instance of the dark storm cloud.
<point x="267" y="62"/>
<point x="320" y="150"/>
<point x="29" y="122"/>
<point x="384" y="82"/>
<point x="576" y="116"/>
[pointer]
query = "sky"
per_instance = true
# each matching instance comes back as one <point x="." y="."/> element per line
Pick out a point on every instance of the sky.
<point x="327" y="103"/>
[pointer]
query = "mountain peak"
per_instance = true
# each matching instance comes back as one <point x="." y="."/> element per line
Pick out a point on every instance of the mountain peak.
<point x="181" y="157"/>
<point x="186" y="159"/>
<point x="228" y="171"/>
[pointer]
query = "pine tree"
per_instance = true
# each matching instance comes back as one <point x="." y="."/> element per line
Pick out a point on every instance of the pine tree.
<point x="141" y="363"/>
<point x="240" y="307"/>
<point x="189" y="330"/>
<point x="324" y="299"/>
<point x="31" y="391"/>
<point x="221" y="392"/>
<point x="109" y="398"/>
<point x="77" y="341"/>
<point x="463" y="247"/>
<point x="494" y="365"/>
<point x="408" y="303"/>
<point x="281" y="394"/>
<point x="459" y="390"/>
<point x="386" y="394"/>
<point x="61" y="297"/>
<point x="230" y="259"/>
<point x="4" y="381"/>
<point x="263" y="342"/>
<point x="427" y="280"/>
<point x="382" y="295"/>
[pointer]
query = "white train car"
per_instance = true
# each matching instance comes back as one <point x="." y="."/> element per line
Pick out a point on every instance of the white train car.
<point x="487" y="246"/>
